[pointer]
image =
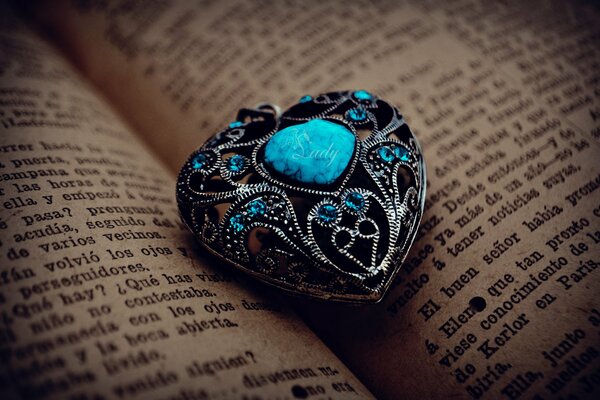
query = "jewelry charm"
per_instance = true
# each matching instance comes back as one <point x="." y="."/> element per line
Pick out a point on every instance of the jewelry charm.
<point x="323" y="200"/>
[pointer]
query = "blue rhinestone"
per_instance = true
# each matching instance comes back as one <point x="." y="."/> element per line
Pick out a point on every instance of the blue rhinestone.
<point x="236" y="163"/>
<point x="327" y="213"/>
<point x="257" y="207"/>
<point x="362" y="95"/>
<point x="199" y="161"/>
<point x="355" y="201"/>
<point x="401" y="153"/>
<point x="386" y="154"/>
<point x="357" y="114"/>
<point x="237" y="222"/>
<point x="305" y="99"/>
<point x="236" y="124"/>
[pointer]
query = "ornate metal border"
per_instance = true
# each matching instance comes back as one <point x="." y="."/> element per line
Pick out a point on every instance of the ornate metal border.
<point x="343" y="241"/>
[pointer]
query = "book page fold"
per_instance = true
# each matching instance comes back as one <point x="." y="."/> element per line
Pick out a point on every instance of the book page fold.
<point x="498" y="297"/>
<point x="101" y="294"/>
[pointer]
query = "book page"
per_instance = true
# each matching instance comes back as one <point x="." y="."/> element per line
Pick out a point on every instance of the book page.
<point x="101" y="295"/>
<point x="498" y="296"/>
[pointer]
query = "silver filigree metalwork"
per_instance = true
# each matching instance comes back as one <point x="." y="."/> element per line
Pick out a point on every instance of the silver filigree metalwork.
<point x="342" y="241"/>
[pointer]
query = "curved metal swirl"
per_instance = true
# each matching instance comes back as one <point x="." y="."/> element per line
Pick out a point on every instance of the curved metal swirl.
<point x="342" y="241"/>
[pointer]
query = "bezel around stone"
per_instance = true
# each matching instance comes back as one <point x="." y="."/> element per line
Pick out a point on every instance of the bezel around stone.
<point x="268" y="174"/>
<point x="401" y="153"/>
<point x="355" y="201"/>
<point x="236" y="164"/>
<point x="317" y="213"/>
<point x="357" y="115"/>
<point x="352" y="257"/>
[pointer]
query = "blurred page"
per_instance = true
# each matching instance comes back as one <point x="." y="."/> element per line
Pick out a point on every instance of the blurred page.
<point x="498" y="297"/>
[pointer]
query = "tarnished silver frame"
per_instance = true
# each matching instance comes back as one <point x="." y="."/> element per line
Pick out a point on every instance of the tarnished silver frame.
<point x="269" y="226"/>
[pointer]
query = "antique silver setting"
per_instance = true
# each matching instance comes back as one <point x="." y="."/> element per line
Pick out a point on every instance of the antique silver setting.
<point x="344" y="240"/>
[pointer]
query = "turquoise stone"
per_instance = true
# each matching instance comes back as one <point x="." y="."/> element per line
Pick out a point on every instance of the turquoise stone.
<point x="386" y="154"/>
<point x="401" y="153"/>
<point x="305" y="99"/>
<point x="236" y="124"/>
<point x="236" y="163"/>
<point x="237" y="222"/>
<point x="357" y="114"/>
<point x="362" y="95"/>
<point x="199" y="161"/>
<point x="327" y="212"/>
<point x="256" y="208"/>
<point x="355" y="201"/>
<point x="314" y="152"/>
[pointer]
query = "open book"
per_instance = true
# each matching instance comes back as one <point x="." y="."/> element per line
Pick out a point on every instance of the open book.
<point x="104" y="295"/>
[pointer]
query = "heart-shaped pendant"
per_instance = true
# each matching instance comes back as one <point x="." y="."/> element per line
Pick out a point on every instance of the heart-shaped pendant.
<point x="324" y="200"/>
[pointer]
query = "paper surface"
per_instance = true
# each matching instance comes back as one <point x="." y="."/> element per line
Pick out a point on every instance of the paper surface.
<point x="498" y="297"/>
<point x="101" y="294"/>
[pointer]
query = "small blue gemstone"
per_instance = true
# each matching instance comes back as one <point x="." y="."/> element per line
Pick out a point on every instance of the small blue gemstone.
<point x="305" y="99"/>
<point x="357" y="114"/>
<point x="327" y="213"/>
<point x="401" y="153"/>
<point x="199" y="161"/>
<point x="362" y="95"/>
<point x="386" y="154"/>
<point x="236" y="163"/>
<point x="236" y="124"/>
<point x="257" y="207"/>
<point x="237" y="222"/>
<point x="355" y="201"/>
